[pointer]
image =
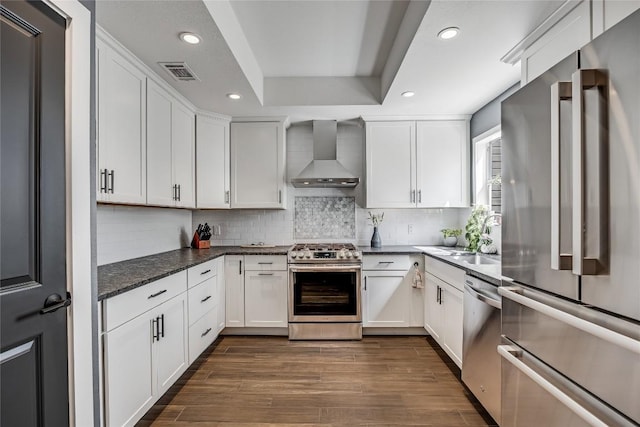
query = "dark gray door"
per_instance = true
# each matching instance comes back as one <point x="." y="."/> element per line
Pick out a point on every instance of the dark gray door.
<point x="33" y="333"/>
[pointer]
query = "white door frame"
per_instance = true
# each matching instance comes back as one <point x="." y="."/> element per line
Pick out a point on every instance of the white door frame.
<point x="78" y="191"/>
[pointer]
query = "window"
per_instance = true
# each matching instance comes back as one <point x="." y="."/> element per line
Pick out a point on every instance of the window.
<point x="487" y="164"/>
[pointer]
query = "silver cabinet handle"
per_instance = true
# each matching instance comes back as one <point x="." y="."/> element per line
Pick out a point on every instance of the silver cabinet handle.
<point x="560" y="91"/>
<point x="365" y="283"/>
<point x="175" y="192"/>
<point x="419" y="196"/>
<point x="112" y="176"/>
<point x="205" y="299"/>
<point x="265" y="263"/>
<point x="615" y="338"/>
<point x="279" y="196"/>
<point x="240" y="267"/>
<point x="583" y="263"/>
<point x="157" y="294"/>
<point x="205" y="332"/>
<point x="265" y="274"/>
<point x="205" y="272"/>
<point x="227" y="197"/>
<point x="413" y="196"/>
<point x="511" y="354"/>
<point x="103" y="180"/>
<point x="179" y="192"/>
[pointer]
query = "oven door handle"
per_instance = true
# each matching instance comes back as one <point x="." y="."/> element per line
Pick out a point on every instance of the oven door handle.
<point x="325" y="268"/>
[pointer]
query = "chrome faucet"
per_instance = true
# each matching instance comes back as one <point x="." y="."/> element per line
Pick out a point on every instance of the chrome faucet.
<point x="484" y="223"/>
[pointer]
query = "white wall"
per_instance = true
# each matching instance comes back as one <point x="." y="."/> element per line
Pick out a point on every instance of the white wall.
<point x="126" y="232"/>
<point x="277" y="227"/>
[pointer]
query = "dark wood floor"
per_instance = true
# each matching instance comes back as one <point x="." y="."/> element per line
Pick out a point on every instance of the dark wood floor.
<point x="268" y="381"/>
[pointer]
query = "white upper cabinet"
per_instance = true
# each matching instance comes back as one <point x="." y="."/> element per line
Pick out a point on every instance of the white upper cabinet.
<point x="442" y="163"/>
<point x="390" y="164"/>
<point x="121" y="128"/>
<point x="170" y="150"/>
<point x="417" y="164"/>
<point x="183" y="154"/>
<point x="258" y="165"/>
<point x="607" y="13"/>
<point x="212" y="163"/>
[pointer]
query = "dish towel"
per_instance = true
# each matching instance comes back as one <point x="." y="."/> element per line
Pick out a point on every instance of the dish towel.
<point x="417" y="281"/>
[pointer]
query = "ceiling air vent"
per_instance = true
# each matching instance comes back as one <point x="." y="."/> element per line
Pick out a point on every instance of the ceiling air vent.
<point x="179" y="71"/>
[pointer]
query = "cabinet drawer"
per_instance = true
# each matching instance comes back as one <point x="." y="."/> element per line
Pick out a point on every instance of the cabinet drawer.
<point x="386" y="262"/>
<point x="124" y="307"/>
<point x="201" y="272"/>
<point x="265" y="262"/>
<point x="448" y="273"/>
<point x="202" y="298"/>
<point x="201" y="334"/>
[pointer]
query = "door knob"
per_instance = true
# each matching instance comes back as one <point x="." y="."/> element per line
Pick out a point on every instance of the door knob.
<point x="55" y="302"/>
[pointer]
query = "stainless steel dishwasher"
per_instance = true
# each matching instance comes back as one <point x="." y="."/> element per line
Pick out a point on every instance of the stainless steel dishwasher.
<point x="481" y="336"/>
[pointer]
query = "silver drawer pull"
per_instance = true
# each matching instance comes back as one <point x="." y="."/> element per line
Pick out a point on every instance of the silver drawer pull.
<point x="156" y="294"/>
<point x="511" y="353"/>
<point x="205" y="272"/>
<point x="205" y="332"/>
<point x="265" y="274"/>
<point x="265" y="263"/>
<point x="385" y="262"/>
<point x="205" y="298"/>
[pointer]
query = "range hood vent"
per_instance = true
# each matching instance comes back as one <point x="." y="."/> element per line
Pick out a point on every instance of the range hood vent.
<point x="325" y="171"/>
<point x="179" y="71"/>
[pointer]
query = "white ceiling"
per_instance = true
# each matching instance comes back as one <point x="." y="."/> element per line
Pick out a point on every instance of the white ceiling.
<point x="331" y="59"/>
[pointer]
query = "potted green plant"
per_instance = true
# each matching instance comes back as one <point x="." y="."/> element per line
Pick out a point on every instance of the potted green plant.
<point x="450" y="236"/>
<point x="473" y="229"/>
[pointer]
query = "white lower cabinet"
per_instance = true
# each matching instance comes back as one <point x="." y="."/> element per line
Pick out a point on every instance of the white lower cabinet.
<point x="234" y="290"/>
<point x="443" y="306"/>
<point x="201" y="334"/>
<point x="143" y="358"/>
<point x="256" y="289"/>
<point x="265" y="299"/>
<point x="388" y="298"/>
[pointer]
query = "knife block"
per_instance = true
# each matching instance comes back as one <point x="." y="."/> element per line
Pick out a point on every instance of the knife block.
<point x="196" y="243"/>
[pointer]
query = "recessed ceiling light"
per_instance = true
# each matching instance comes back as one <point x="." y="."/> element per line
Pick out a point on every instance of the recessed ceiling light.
<point x="234" y="96"/>
<point x="408" y="94"/>
<point x="190" y="38"/>
<point x="449" y="33"/>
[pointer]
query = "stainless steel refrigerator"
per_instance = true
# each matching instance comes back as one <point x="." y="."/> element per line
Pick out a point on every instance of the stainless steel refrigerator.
<point x="571" y="239"/>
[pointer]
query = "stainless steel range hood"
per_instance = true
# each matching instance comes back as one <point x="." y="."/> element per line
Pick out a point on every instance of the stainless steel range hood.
<point x="325" y="171"/>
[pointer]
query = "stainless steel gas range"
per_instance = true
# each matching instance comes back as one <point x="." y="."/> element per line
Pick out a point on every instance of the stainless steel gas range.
<point x="325" y="292"/>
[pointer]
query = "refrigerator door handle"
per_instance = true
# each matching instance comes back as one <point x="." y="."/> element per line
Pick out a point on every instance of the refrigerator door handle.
<point x="560" y="91"/>
<point x="511" y="354"/>
<point x="516" y="294"/>
<point x="590" y="226"/>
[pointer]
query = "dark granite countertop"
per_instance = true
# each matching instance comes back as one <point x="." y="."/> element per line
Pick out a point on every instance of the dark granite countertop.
<point x="120" y="277"/>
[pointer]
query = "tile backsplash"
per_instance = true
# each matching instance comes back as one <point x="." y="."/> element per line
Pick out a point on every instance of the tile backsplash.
<point x="126" y="232"/>
<point x="325" y="217"/>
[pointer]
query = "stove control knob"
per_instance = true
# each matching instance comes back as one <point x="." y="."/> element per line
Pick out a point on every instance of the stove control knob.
<point x="340" y="254"/>
<point x="294" y="254"/>
<point x="349" y="254"/>
<point x="307" y="254"/>
<point x="356" y="255"/>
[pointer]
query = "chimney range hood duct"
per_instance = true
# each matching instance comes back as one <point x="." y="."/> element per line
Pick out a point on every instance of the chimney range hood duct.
<point x="325" y="171"/>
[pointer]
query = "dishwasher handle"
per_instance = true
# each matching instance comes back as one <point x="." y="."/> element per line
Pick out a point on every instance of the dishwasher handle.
<point x="483" y="296"/>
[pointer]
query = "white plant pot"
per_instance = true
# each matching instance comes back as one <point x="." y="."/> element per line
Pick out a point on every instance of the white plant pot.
<point x="450" y="241"/>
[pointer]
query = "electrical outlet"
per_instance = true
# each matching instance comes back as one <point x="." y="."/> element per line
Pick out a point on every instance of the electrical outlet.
<point x="410" y="228"/>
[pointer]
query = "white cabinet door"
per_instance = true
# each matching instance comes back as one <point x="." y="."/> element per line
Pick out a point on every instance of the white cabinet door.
<point x="170" y="349"/>
<point x="386" y="299"/>
<point x="257" y="165"/>
<point x="202" y="333"/>
<point x="616" y="10"/>
<point x="222" y="313"/>
<point x="234" y="290"/>
<point x="390" y="164"/>
<point x="212" y="163"/>
<point x="432" y="309"/>
<point x="568" y="35"/>
<point x="265" y="298"/>
<point x="159" y="163"/>
<point x="452" y="300"/>
<point x="183" y="154"/>
<point x="442" y="163"/>
<point x="121" y="129"/>
<point x="128" y="374"/>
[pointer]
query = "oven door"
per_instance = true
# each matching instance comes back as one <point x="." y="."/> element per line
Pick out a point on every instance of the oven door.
<point x="325" y="293"/>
